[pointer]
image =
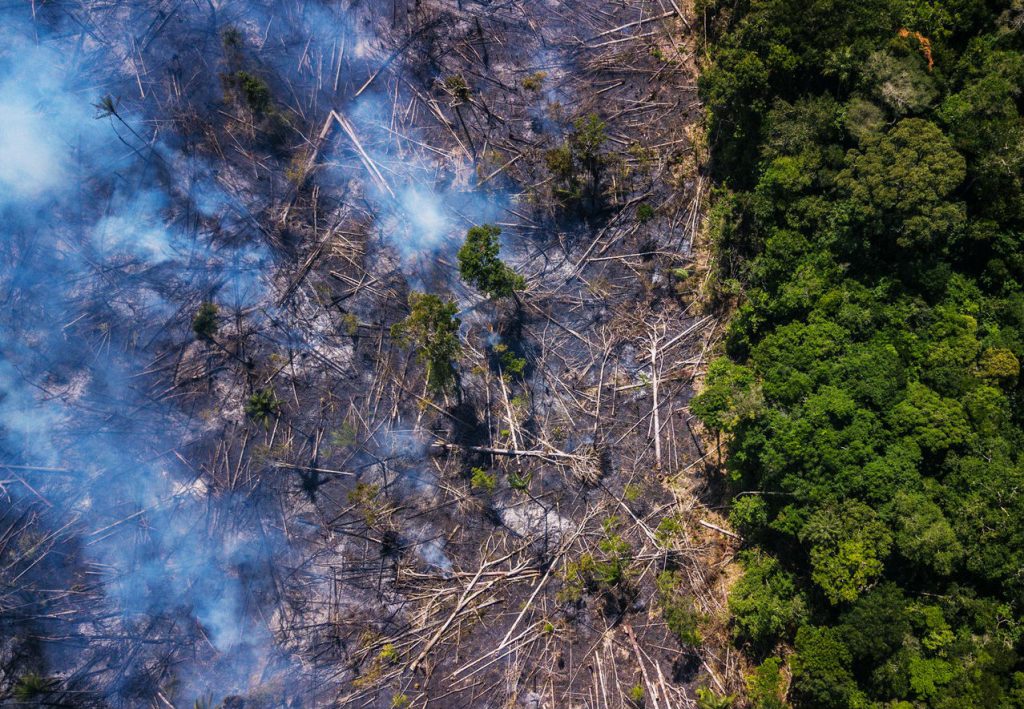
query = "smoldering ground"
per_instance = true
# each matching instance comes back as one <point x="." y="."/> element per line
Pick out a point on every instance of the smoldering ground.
<point x="303" y="166"/>
<point x="114" y="227"/>
<point x="102" y="250"/>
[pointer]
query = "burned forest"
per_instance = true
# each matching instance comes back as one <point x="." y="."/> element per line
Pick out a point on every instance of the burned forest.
<point x="346" y="357"/>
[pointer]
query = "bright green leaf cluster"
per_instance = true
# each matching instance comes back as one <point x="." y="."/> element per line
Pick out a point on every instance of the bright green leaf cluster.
<point x="433" y="330"/>
<point x="480" y="266"/>
<point x="870" y="211"/>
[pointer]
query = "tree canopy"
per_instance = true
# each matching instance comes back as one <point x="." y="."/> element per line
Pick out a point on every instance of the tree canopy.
<point x="432" y="328"/>
<point x="480" y="266"/>
<point x="869" y="214"/>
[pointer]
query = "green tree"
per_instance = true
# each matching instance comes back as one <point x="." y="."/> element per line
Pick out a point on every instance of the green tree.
<point x="923" y="535"/>
<point x="849" y="544"/>
<point x="877" y="625"/>
<point x="899" y="186"/>
<point x="822" y="674"/>
<point x="578" y="163"/>
<point x="870" y="164"/>
<point x="949" y="350"/>
<point x="765" y="604"/>
<point x="984" y="501"/>
<point x="983" y="119"/>
<point x="999" y="364"/>
<point x="433" y="329"/>
<point x="901" y="80"/>
<point x="765" y="685"/>
<point x="749" y="514"/>
<point x="204" y="324"/>
<point x="931" y="421"/>
<point x="480" y="266"/>
<point x="735" y="88"/>
<point x="730" y="396"/>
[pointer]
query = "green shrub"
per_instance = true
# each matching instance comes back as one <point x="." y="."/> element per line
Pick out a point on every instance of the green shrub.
<point x="708" y="699"/>
<point x="511" y="365"/>
<point x="535" y="82"/>
<point x="255" y="91"/>
<point x="365" y="497"/>
<point x="482" y="480"/>
<point x="519" y="482"/>
<point x="668" y="529"/>
<point x="456" y="86"/>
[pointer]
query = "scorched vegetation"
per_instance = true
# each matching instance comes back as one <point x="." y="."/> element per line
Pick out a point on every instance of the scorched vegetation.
<point x="345" y="354"/>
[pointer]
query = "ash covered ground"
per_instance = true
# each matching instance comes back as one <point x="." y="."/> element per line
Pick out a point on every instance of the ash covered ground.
<point x="271" y="507"/>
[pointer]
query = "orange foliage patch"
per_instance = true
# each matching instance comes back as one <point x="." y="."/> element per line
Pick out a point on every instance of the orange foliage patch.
<point x="926" y="45"/>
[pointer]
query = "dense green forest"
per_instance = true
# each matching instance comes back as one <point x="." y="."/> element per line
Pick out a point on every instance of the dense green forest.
<point x="869" y="156"/>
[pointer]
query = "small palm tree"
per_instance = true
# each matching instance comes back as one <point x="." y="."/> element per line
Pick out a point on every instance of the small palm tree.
<point x="706" y="699"/>
<point x="204" y="324"/>
<point x="32" y="686"/>
<point x="262" y="406"/>
<point x="106" y="107"/>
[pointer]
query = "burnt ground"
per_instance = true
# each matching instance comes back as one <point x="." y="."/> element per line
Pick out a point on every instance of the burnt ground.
<point x="434" y="550"/>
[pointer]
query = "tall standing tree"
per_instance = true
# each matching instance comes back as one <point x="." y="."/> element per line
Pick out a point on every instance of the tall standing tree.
<point x="480" y="266"/>
<point x="433" y="330"/>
